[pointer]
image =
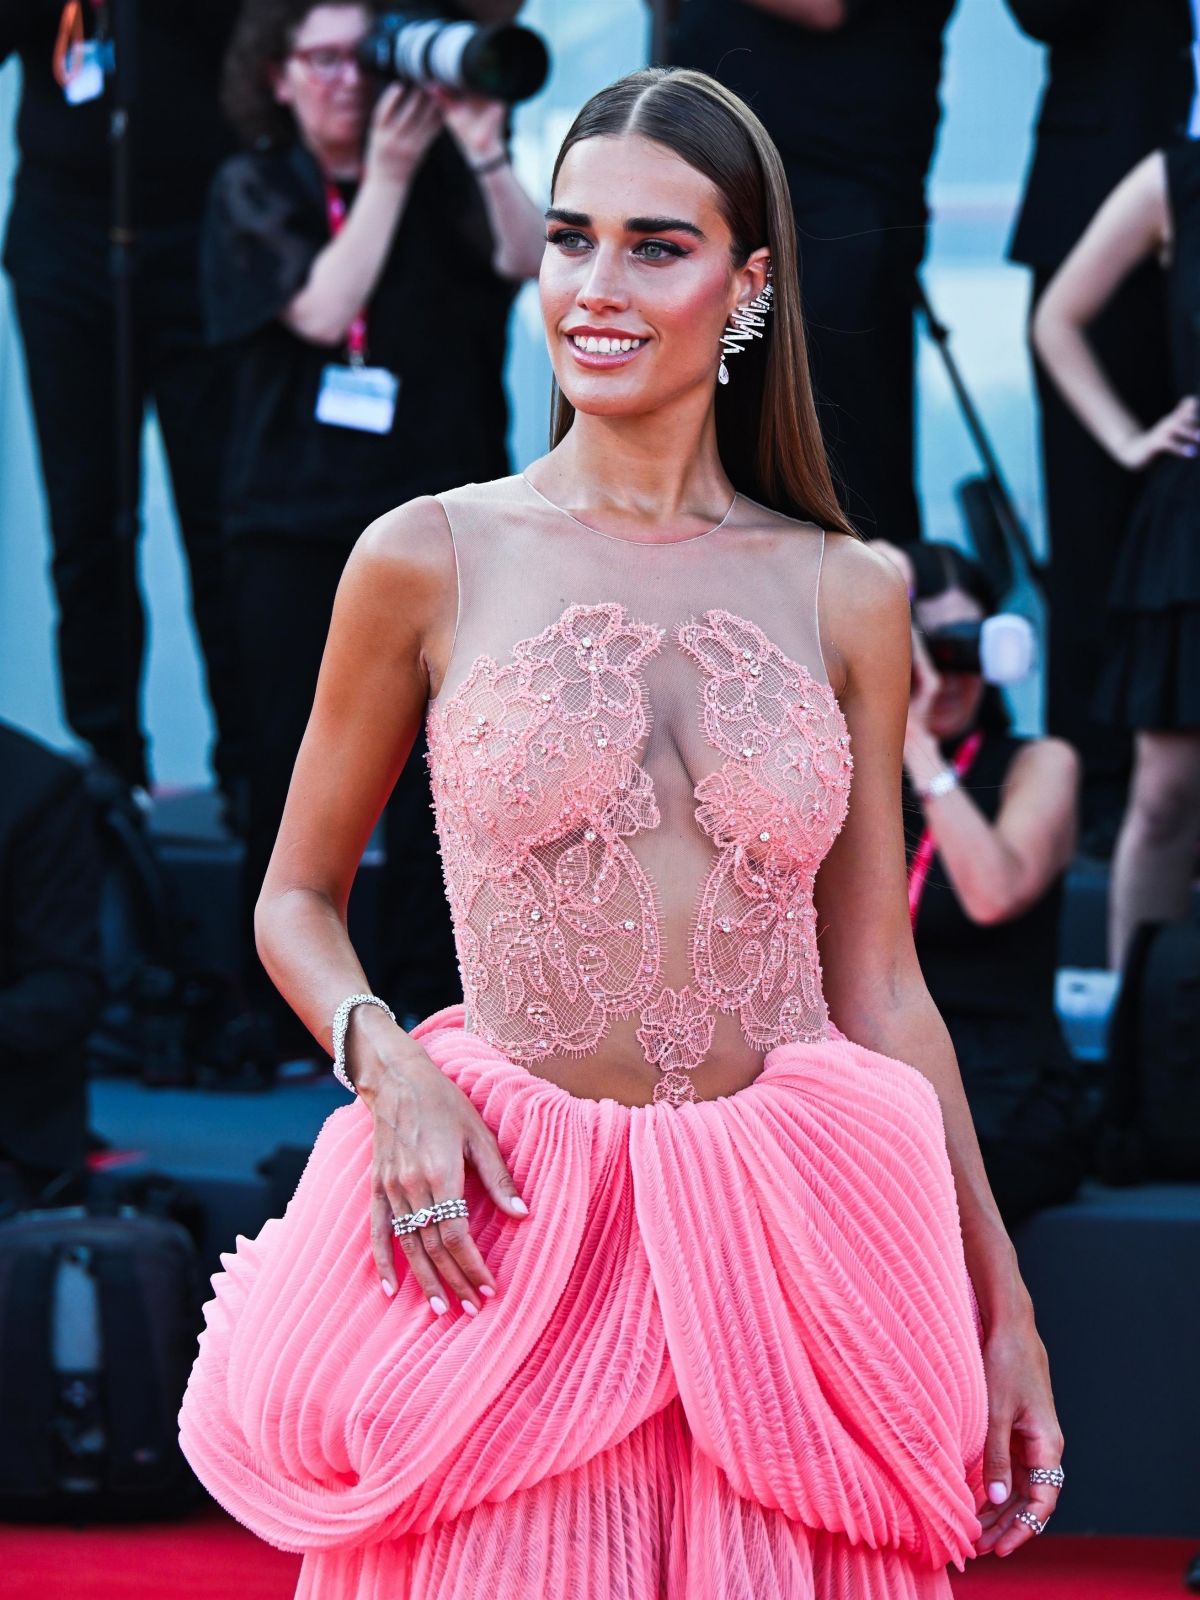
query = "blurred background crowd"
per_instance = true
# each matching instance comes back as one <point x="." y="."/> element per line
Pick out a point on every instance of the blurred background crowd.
<point x="265" y="280"/>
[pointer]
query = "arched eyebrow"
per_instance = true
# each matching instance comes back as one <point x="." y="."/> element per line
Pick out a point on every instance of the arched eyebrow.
<point x="580" y="219"/>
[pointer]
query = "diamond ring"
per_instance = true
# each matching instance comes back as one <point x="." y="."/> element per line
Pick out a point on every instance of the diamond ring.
<point x="415" y="1220"/>
<point x="1052" y="1475"/>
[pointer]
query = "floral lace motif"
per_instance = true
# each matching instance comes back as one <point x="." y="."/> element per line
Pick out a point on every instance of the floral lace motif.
<point x="676" y="1033"/>
<point x="537" y="785"/>
<point x="536" y="788"/>
<point x="772" y="810"/>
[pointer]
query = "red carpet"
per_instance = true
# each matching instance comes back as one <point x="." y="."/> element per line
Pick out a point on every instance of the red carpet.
<point x="211" y="1558"/>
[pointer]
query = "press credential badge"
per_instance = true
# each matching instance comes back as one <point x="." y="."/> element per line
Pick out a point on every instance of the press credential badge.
<point x="358" y="397"/>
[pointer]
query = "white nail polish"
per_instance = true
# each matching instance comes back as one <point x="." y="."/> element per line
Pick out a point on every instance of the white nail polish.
<point x="472" y="1311"/>
<point x="437" y="1305"/>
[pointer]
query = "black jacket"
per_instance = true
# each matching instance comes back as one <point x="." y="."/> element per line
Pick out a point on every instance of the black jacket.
<point x="177" y="135"/>
<point x="1119" y="84"/>
<point x="50" y="977"/>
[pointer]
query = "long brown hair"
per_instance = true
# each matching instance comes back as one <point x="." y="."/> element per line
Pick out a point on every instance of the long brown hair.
<point x="767" y="430"/>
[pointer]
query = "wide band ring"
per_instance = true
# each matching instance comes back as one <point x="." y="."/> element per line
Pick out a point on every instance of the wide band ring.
<point x="1030" y="1521"/>
<point x="1054" y="1475"/>
<point x="416" y="1220"/>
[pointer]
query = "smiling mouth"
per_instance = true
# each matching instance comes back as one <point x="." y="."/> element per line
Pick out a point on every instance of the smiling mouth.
<point x="598" y="350"/>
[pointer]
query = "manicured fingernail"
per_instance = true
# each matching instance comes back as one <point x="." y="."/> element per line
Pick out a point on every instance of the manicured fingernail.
<point x="486" y="1290"/>
<point x="437" y="1305"/>
<point x="471" y="1310"/>
<point x="519" y="1207"/>
<point x="388" y="1288"/>
<point x="997" y="1493"/>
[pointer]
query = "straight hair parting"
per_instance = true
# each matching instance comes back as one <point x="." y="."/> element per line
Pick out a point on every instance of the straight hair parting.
<point x="768" y="434"/>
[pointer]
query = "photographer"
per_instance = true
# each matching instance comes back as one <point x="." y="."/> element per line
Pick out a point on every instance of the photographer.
<point x="363" y="259"/>
<point x="58" y="252"/>
<point x="988" y="845"/>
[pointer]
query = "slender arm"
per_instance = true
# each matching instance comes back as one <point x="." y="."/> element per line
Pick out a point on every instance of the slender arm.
<point x="873" y="982"/>
<point x="1130" y="225"/>
<point x="998" y="869"/>
<point x="517" y="224"/>
<point x="343" y="276"/>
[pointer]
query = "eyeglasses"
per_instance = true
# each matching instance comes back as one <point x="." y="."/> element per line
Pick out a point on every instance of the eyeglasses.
<point x="327" y="62"/>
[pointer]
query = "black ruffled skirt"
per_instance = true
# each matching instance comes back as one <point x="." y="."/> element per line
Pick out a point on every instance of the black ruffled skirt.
<point x="1150" y="679"/>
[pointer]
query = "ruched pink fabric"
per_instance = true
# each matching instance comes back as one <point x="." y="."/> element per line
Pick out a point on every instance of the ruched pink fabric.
<point x="734" y="1355"/>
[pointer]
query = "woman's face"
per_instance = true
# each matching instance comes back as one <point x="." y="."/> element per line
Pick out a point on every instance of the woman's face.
<point x="321" y="82"/>
<point x="638" y="257"/>
<point x="956" y="704"/>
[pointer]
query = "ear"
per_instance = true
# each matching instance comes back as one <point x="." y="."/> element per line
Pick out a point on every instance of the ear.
<point x="752" y="278"/>
<point x="276" y="74"/>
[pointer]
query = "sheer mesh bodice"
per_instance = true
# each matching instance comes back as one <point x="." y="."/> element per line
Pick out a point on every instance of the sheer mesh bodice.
<point x="638" y="765"/>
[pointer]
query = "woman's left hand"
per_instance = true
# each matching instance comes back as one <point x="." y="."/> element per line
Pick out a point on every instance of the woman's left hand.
<point x="1023" y="1433"/>
<point x="925" y="685"/>
<point x="477" y="124"/>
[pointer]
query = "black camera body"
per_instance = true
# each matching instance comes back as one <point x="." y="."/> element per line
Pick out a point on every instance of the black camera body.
<point x="1001" y="648"/>
<point x="499" y="60"/>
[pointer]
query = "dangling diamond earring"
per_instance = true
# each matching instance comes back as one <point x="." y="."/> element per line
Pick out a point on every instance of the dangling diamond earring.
<point x="749" y="322"/>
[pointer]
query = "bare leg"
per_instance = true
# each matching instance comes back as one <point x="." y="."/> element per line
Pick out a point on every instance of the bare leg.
<point x="1152" y="864"/>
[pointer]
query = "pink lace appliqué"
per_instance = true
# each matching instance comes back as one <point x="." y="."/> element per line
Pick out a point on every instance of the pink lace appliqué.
<point x="772" y="810"/>
<point x="536" y="786"/>
<point x="676" y="1034"/>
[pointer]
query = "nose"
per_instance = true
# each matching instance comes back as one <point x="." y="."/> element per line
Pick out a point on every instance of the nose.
<point x="603" y="284"/>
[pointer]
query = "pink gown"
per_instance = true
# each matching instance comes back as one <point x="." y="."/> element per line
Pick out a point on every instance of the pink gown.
<point x="735" y="1352"/>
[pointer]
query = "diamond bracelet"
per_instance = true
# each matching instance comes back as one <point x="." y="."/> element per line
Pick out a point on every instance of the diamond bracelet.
<point x="341" y="1021"/>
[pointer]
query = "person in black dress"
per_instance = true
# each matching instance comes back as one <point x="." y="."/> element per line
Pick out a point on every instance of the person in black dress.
<point x="57" y="252"/>
<point x="1119" y="80"/>
<point x="385" y="243"/>
<point x="848" y="90"/>
<point x="1149" y="680"/>
<point x="987" y="852"/>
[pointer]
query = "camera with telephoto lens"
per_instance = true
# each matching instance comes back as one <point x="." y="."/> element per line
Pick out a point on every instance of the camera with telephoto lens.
<point x="1002" y="648"/>
<point x="497" y="60"/>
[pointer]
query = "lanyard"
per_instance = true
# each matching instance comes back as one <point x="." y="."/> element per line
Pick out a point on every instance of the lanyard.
<point x="70" y="39"/>
<point x="921" y="861"/>
<point x="356" y="333"/>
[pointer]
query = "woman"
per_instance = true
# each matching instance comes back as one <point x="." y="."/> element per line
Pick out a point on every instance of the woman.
<point x="990" y="827"/>
<point x="1151" y="679"/>
<point x="363" y="261"/>
<point x="713" y="1330"/>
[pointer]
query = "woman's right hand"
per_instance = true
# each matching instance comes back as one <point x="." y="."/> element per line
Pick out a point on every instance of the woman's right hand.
<point x="404" y="124"/>
<point x="425" y="1130"/>
<point x="1176" y="434"/>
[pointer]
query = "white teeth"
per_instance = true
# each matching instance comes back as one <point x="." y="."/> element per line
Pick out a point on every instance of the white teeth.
<point x="602" y="344"/>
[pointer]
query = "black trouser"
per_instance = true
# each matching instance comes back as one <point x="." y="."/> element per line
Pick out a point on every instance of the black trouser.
<point x="1089" y="499"/>
<point x="283" y="595"/>
<point x="64" y="306"/>
<point x="856" y="284"/>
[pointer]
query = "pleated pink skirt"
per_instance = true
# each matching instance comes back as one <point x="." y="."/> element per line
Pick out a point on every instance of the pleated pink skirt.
<point x="734" y="1354"/>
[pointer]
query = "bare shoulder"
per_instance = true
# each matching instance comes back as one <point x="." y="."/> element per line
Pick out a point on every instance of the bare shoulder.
<point x="400" y="586"/>
<point x="863" y="610"/>
<point x="407" y="555"/>
<point x="410" y="543"/>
